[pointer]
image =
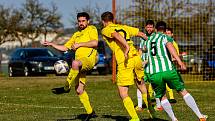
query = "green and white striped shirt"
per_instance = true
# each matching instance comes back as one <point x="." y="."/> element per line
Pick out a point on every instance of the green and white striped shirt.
<point x="159" y="59"/>
<point x="144" y="56"/>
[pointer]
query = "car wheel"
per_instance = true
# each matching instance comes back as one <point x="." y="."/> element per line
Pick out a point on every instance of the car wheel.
<point x="102" y="71"/>
<point x="10" y="71"/>
<point x="26" y="71"/>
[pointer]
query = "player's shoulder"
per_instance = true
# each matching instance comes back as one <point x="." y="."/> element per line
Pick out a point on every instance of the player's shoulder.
<point x="92" y="27"/>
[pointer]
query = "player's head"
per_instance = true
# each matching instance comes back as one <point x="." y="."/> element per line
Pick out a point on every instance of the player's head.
<point x="83" y="20"/>
<point x="149" y="27"/>
<point x="169" y="31"/>
<point x="107" y="17"/>
<point x="161" y="26"/>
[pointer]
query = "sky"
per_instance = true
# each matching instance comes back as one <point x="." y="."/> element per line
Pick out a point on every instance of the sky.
<point x="66" y="8"/>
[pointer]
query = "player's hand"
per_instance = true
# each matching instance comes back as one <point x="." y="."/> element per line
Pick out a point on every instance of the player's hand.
<point x="182" y="66"/>
<point x="126" y="53"/>
<point x="46" y="43"/>
<point x="75" y="46"/>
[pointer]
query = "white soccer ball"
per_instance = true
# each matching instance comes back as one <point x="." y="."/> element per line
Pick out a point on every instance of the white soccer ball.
<point x="61" y="67"/>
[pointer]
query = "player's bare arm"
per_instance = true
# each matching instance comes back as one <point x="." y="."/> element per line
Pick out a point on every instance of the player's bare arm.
<point x="58" y="47"/>
<point x="143" y="35"/>
<point x="173" y="52"/>
<point x="122" y="41"/>
<point x="90" y="44"/>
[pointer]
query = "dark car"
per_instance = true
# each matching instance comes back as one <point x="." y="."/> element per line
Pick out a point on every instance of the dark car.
<point x="28" y="61"/>
<point x="209" y="66"/>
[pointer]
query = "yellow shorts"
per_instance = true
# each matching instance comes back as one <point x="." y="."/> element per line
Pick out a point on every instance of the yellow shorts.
<point x="127" y="70"/>
<point x="87" y="63"/>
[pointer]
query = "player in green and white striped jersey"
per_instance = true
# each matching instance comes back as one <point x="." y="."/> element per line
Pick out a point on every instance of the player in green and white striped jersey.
<point x="162" y="71"/>
<point x="149" y="29"/>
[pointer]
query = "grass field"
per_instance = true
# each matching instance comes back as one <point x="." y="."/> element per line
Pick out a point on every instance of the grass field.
<point x="30" y="99"/>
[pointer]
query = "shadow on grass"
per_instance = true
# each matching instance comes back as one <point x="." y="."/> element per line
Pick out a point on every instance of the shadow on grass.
<point x="116" y="118"/>
<point x="81" y="117"/>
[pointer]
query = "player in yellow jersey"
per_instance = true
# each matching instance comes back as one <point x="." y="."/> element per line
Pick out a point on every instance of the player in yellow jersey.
<point x="169" y="32"/>
<point x="83" y="42"/>
<point x="129" y="63"/>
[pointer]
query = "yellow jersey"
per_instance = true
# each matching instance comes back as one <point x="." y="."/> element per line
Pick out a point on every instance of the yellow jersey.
<point x="86" y="35"/>
<point x="127" y="32"/>
<point x="176" y="47"/>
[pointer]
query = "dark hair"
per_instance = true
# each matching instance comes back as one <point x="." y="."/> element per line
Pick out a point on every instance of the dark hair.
<point x="107" y="16"/>
<point x="150" y="22"/>
<point x="161" y="26"/>
<point x="169" y="29"/>
<point x="83" y="14"/>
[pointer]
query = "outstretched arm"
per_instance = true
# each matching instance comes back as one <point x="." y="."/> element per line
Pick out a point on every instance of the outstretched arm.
<point x="56" y="46"/>
<point x="143" y="35"/>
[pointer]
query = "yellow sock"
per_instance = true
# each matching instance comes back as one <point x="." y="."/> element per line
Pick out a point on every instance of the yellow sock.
<point x="71" y="76"/>
<point x="150" y="91"/>
<point x="130" y="107"/>
<point x="170" y="92"/>
<point x="145" y="99"/>
<point x="86" y="102"/>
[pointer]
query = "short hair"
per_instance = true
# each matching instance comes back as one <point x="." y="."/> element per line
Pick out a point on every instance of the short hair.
<point x="169" y="29"/>
<point x="107" y="16"/>
<point x="150" y="22"/>
<point x="161" y="26"/>
<point x="83" y="14"/>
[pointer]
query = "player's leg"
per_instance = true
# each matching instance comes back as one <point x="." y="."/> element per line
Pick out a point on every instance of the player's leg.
<point x="138" y="69"/>
<point x="125" y="77"/>
<point x="128" y="103"/>
<point x="178" y="84"/>
<point x="139" y="101"/>
<point x="159" y="87"/>
<point x="171" y="96"/>
<point x="151" y="91"/>
<point x="190" y="101"/>
<point x="168" y="108"/>
<point x="73" y="73"/>
<point x="83" y="96"/>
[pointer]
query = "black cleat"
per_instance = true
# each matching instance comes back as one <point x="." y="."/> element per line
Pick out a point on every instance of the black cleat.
<point x="172" y="101"/>
<point x="60" y="90"/>
<point x="89" y="116"/>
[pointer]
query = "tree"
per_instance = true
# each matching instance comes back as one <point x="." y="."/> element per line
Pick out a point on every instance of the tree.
<point x="39" y="19"/>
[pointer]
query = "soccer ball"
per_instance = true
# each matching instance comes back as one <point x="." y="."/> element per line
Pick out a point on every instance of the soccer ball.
<point x="61" y="67"/>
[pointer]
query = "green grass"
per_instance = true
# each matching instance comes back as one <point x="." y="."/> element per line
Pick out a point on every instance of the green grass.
<point x="30" y="99"/>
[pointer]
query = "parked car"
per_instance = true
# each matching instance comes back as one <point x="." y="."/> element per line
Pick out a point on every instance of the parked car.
<point x="209" y="66"/>
<point x="103" y="65"/>
<point x="29" y="61"/>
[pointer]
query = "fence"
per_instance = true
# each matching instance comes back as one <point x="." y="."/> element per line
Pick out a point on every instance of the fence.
<point x="193" y="23"/>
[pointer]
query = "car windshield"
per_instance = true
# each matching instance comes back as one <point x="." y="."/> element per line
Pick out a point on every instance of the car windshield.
<point x="39" y="52"/>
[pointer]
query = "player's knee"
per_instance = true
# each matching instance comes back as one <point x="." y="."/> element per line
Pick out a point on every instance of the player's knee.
<point x="75" y="64"/>
<point x="79" y="91"/>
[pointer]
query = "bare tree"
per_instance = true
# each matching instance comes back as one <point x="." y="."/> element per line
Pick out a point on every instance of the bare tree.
<point x="39" y="19"/>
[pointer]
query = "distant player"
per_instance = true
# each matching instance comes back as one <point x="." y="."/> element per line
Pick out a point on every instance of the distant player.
<point x="169" y="32"/>
<point x="118" y="38"/>
<point x="83" y="42"/>
<point x="162" y="71"/>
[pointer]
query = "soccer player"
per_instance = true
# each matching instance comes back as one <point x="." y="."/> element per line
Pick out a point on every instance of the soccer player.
<point x="118" y="38"/>
<point x="83" y="42"/>
<point x="169" y="32"/>
<point x="149" y="28"/>
<point x="162" y="71"/>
